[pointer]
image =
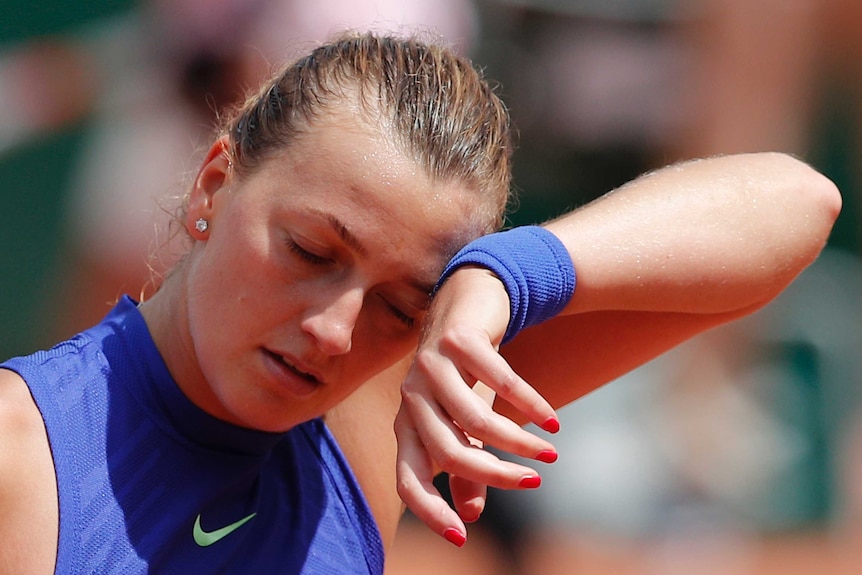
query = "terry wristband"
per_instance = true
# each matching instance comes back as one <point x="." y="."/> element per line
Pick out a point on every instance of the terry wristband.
<point x="533" y="265"/>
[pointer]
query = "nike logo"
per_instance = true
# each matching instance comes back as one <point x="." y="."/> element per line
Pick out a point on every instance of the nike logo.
<point x="207" y="538"/>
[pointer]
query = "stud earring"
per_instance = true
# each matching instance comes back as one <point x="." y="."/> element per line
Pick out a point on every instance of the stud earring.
<point x="201" y="225"/>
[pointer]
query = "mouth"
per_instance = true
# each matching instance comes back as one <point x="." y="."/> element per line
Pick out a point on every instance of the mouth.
<point x="292" y="375"/>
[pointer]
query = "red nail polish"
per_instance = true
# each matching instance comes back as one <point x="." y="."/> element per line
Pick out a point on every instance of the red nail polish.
<point x="551" y="425"/>
<point x="455" y="537"/>
<point x="530" y="482"/>
<point x="547" y="456"/>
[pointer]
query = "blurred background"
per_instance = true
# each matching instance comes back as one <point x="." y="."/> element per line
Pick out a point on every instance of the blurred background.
<point x="739" y="452"/>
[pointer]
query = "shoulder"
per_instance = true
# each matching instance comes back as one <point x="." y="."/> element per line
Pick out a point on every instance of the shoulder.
<point x="28" y="492"/>
<point x="363" y="426"/>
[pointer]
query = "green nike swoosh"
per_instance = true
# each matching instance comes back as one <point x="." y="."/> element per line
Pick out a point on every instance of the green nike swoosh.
<point x="207" y="538"/>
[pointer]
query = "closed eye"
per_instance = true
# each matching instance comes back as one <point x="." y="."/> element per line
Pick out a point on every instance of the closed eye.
<point x="405" y="318"/>
<point x="305" y="254"/>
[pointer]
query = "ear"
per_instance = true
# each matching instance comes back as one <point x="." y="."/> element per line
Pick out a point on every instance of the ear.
<point x="214" y="174"/>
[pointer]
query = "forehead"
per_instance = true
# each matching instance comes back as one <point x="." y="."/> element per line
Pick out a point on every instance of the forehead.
<point x="349" y="147"/>
<point x="356" y="174"/>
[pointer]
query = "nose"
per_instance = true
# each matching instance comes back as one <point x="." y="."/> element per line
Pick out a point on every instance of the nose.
<point x="331" y="323"/>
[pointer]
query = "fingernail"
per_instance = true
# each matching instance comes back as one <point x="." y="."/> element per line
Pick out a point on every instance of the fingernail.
<point x="551" y="425"/>
<point x="455" y="537"/>
<point x="530" y="482"/>
<point x="547" y="456"/>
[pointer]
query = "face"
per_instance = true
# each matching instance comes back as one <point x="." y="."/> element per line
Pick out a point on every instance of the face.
<point x="314" y="274"/>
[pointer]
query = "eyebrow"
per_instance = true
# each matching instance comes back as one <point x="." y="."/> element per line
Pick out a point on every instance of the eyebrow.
<point x="345" y="234"/>
<point x="351" y="240"/>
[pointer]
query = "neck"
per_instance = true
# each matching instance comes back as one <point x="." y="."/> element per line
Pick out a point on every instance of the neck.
<point x="166" y="316"/>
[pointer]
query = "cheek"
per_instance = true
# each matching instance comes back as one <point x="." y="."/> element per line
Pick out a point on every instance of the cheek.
<point x="374" y="351"/>
<point x="218" y="302"/>
<point x="238" y="269"/>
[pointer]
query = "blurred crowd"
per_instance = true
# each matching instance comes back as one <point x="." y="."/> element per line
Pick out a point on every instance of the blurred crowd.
<point x="740" y="452"/>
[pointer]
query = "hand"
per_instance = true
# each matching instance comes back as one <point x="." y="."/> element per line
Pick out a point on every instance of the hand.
<point x="446" y="415"/>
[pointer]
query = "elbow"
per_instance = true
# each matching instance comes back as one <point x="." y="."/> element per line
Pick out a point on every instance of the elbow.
<point x="830" y="200"/>
<point x="816" y="203"/>
<point x="824" y="195"/>
<point x="810" y="204"/>
<point x="823" y="206"/>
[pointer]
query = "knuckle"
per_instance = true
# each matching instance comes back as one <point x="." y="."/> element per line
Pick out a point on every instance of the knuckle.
<point x="455" y="339"/>
<point x="411" y="400"/>
<point x="424" y="365"/>
<point x="448" y="458"/>
<point x="404" y="487"/>
<point x="507" y="384"/>
<point x="400" y="425"/>
<point x="478" y="424"/>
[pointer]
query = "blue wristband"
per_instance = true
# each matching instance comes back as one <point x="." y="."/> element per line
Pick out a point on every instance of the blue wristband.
<point x="533" y="265"/>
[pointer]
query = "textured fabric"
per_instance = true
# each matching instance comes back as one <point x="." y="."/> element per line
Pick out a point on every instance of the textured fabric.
<point x="533" y="265"/>
<point x="138" y="465"/>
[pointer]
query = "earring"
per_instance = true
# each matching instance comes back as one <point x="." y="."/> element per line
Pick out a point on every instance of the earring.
<point x="201" y="225"/>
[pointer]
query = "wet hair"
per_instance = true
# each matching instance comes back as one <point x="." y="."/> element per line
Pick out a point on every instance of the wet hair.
<point x="438" y="108"/>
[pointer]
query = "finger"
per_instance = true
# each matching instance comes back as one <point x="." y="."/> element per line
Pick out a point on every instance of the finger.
<point x="415" y="485"/>
<point x="468" y="497"/>
<point x="472" y="414"/>
<point x="495" y="372"/>
<point x="449" y="448"/>
<point x="498" y="431"/>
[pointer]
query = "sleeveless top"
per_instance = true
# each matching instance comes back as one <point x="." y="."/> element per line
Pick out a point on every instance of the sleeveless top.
<point x="150" y="483"/>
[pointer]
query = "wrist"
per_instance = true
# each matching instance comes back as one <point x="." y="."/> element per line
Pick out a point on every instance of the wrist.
<point x="534" y="267"/>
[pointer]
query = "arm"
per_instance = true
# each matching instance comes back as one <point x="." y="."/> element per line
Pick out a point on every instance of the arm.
<point x="658" y="261"/>
<point x="362" y="425"/>
<point x="708" y="236"/>
<point x="28" y="490"/>
<point x="704" y="243"/>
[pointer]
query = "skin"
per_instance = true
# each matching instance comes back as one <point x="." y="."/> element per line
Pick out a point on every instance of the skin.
<point x="28" y="490"/>
<point x="320" y="262"/>
<point x="307" y="309"/>
<point x="704" y="243"/>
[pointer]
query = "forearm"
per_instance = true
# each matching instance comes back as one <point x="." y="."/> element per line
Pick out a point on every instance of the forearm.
<point x="672" y="254"/>
<point x="709" y="236"/>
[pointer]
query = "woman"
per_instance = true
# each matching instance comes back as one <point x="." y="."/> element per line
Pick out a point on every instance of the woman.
<point x="241" y="419"/>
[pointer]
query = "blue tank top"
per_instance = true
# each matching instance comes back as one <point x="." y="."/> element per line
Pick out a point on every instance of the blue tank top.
<point x="150" y="483"/>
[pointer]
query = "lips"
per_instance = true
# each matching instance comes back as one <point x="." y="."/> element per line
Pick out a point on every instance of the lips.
<point x="291" y="375"/>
